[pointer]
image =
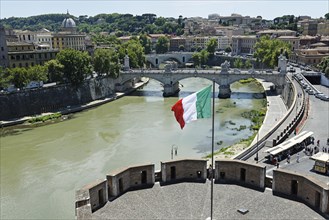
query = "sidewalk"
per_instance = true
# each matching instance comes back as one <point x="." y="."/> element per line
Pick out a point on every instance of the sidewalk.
<point x="276" y="110"/>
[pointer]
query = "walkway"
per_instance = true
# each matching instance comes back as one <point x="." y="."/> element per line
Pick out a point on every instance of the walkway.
<point x="276" y="110"/>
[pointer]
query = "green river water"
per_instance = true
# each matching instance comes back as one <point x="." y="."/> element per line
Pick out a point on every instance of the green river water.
<point x="42" y="167"/>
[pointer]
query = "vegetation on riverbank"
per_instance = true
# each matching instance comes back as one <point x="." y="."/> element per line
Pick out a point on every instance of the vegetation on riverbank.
<point x="255" y="116"/>
<point x="44" y="118"/>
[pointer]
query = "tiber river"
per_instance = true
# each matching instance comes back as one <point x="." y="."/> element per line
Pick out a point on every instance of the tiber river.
<point x="42" y="167"/>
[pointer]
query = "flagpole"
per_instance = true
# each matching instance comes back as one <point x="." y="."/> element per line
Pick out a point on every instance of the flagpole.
<point x="212" y="149"/>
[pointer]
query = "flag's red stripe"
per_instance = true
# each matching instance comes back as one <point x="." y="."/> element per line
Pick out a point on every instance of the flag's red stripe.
<point x="179" y="111"/>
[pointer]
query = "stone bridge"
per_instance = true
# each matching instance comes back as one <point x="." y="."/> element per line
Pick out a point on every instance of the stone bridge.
<point x="170" y="77"/>
<point x="157" y="59"/>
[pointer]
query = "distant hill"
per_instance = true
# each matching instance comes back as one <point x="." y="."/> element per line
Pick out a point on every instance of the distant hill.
<point x="121" y="24"/>
<point x="49" y="21"/>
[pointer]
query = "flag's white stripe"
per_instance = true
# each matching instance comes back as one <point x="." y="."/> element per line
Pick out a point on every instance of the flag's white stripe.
<point x="189" y="106"/>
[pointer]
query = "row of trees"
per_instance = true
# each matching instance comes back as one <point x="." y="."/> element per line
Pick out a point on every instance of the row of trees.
<point x="72" y="66"/>
<point x="120" y="24"/>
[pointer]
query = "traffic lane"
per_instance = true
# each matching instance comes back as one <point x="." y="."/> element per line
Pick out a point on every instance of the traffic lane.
<point x="303" y="167"/>
<point x="318" y="119"/>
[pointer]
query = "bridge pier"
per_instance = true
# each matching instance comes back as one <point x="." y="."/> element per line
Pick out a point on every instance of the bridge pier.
<point x="170" y="89"/>
<point x="224" y="91"/>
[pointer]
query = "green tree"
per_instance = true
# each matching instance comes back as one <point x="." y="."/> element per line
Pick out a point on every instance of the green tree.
<point x="324" y="66"/>
<point x="238" y="63"/>
<point x="204" y="54"/>
<point x="77" y="65"/>
<point x="135" y="51"/>
<point x="327" y="16"/>
<point x="228" y="49"/>
<point x="55" y="71"/>
<point x="162" y="45"/>
<point x="248" y="64"/>
<point x="211" y="46"/>
<point x="106" y="61"/>
<point x="18" y="77"/>
<point x="146" y="43"/>
<point x="196" y="59"/>
<point x="268" y="50"/>
<point x="4" y="78"/>
<point x="37" y="73"/>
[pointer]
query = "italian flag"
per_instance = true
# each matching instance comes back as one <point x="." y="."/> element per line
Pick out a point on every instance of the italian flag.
<point x="193" y="107"/>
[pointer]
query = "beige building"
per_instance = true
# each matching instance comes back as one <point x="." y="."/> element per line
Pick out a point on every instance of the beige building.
<point x="22" y="54"/>
<point x="293" y="41"/>
<point x="68" y="37"/>
<point x="243" y="44"/>
<point x="311" y="56"/>
<point x="309" y="26"/>
<point x="176" y="42"/>
<point x="323" y="28"/>
<point x="276" y="33"/>
<point x="223" y="42"/>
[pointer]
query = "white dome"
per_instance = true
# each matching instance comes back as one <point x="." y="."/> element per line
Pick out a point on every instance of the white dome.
<point x="68" y="23"/>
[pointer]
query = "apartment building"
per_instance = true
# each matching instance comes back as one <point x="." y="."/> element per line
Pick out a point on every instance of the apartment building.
<point x="276" y="33"/>
<point x="3" y="48"/>
<point x="176" y="42"/>
<point x="293" y="41"/>
<point x="23" y="54"/>
<point x="243" y="44"/>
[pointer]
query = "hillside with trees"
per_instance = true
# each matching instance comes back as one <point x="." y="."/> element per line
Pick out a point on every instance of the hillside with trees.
<point x="120" y="24"/>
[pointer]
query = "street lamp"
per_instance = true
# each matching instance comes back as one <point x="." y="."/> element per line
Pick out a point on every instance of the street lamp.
<point x="256" y="158"/>
<point x="172" y="150"/>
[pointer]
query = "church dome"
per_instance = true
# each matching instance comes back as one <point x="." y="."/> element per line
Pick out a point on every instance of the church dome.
<point x="68" y="23"/>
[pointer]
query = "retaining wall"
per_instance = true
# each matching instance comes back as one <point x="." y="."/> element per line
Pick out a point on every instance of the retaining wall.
<point x="54" y="98"/>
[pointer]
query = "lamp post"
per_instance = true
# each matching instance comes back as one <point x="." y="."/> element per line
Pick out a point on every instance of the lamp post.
<point x="172" y="150"/>
<point x="256" y="158"/>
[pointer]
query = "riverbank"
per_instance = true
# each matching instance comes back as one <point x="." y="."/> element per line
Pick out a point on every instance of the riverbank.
<point x="276" y="110"/>
<point x="74" y="109"/>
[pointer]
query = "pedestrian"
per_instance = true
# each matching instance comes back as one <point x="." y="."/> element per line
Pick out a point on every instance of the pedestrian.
<point x="328" y="141"/>
<point x="288" y="158"/>
<point x="277" y="165"/>
<point x="318" y="143"/>
<point x="297" y="157"/>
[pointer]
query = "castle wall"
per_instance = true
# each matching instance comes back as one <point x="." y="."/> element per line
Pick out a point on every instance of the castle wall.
<point x="240" y="172"/>
<point x="309" y="191"/>
<point x="132" y="177"/>
<point x="187" y="169"/>
<point x="301" y="187"/>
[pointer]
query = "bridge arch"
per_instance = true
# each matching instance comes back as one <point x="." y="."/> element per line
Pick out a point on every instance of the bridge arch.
<point x="170" y="78"/>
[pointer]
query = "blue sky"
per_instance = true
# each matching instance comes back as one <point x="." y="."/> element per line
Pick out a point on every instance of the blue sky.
<point x="268" y="9"/>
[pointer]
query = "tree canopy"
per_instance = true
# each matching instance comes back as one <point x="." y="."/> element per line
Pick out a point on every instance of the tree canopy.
<point x="76" y="65"/>
<point x="162" y="45"/>
<point x="324" y="66"/>
<point x="121" y="24"/>
<point x="106" y="61"/>
<point x="268" y="50"/>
